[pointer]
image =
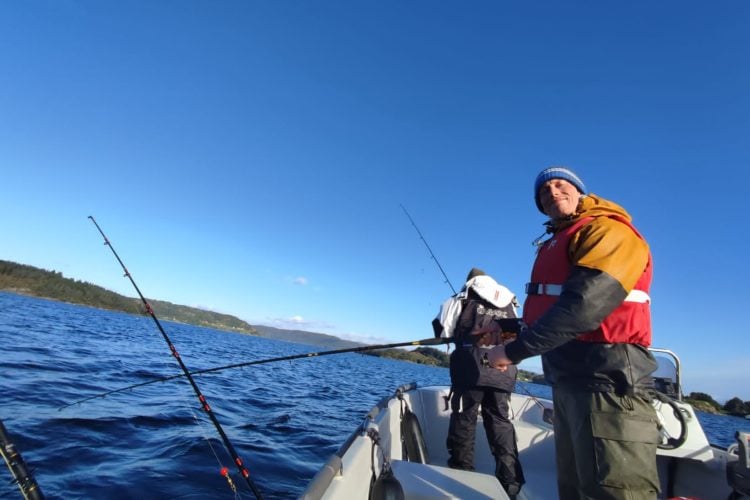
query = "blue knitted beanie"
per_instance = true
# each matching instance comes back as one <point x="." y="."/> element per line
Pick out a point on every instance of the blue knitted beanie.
<point x="556" y="173"/>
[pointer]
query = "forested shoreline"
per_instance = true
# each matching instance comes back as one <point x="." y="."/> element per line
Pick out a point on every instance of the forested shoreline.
<point x="30" y="280"/>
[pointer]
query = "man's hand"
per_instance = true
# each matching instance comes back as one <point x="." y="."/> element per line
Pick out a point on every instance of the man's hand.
<point x="488" y="335"/>
<point x="498" y="359"/>
<point x="492" y="334"/>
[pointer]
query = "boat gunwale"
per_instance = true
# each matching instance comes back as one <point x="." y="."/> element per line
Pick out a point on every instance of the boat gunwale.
<point x="332" y="467"/>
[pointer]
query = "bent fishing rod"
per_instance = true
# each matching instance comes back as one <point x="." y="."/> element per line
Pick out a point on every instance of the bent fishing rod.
<point x="448" y="281"/>
<point x="204" y="403"/>
<point x="425" y="342"/>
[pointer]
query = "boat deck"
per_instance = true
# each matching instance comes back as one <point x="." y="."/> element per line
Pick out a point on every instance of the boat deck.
<point x="535" y="442"/>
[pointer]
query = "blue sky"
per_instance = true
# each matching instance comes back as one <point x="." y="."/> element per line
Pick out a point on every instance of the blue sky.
<point x="250" y="157"/>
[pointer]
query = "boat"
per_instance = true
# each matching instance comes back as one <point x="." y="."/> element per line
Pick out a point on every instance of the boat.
<point x="399" y="451"/>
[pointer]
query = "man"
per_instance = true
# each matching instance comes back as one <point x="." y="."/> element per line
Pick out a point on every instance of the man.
<point x="587" y="313"/>
<point x="474" y="383"/>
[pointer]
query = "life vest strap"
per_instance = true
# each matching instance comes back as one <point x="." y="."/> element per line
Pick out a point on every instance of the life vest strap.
<point x="556" y="289"/>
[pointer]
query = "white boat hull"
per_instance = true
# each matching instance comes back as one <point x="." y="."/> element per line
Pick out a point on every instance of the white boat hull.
<point x="696" y="469"/>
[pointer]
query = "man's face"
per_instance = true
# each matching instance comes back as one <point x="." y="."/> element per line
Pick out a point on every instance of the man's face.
<point x="559" y="198"/>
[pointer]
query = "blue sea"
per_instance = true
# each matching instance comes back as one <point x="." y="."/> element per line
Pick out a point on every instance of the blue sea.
<point x="284" y="419"/>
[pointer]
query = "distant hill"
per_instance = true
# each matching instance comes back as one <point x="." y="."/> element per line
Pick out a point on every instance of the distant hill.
<point x="303" y="337"/>
<point x="29" y="280"/>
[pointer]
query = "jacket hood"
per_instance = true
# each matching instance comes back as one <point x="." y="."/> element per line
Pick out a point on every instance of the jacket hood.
<point x="490" y="290"/>
<point x="590" y="205"/>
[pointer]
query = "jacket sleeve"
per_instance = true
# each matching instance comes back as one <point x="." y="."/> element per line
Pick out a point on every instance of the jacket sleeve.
<point x="607" y="257"/>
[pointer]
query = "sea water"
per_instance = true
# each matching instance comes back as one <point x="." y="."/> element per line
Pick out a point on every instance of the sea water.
<point x="284" y="419"/>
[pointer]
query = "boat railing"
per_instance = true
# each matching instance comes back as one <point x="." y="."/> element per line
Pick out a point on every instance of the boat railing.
<point x="677" y="371"/>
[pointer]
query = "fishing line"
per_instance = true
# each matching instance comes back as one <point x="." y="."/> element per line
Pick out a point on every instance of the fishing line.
<point x="522" y="385"/>
<point x="187" y="403"/>
<point x="449" y="283"/>
<point x="204" y="432"/>
<point x="429" y="249"/>
<point x="204" y="402"/>
<point x="425" y="342"/>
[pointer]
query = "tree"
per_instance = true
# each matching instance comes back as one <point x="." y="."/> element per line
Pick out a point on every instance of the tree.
<point x="702" y="396"/>
<point x="735" y="406"/>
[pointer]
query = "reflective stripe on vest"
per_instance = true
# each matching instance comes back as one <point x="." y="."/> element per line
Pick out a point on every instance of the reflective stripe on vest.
<point x="555" y="289"/>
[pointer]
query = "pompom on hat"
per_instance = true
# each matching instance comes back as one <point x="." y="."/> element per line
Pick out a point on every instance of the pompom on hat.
<point x="556" y="173"/>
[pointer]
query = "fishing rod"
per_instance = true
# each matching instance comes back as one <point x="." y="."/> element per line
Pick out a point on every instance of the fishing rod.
<point x="429" y="249"/>
<point x="451" y="286"/>
<point x="18" y="469"/>
<point x="432" y="341"/>
<point x="204" y="403"/>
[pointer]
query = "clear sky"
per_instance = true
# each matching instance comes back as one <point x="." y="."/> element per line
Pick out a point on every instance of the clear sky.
<point x="250" y="157"/>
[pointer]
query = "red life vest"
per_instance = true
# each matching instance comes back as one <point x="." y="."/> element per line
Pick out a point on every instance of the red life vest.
<point x="629" y="323"/>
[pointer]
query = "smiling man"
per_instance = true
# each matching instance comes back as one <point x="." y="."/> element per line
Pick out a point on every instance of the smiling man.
<point x="587" y="313"/>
